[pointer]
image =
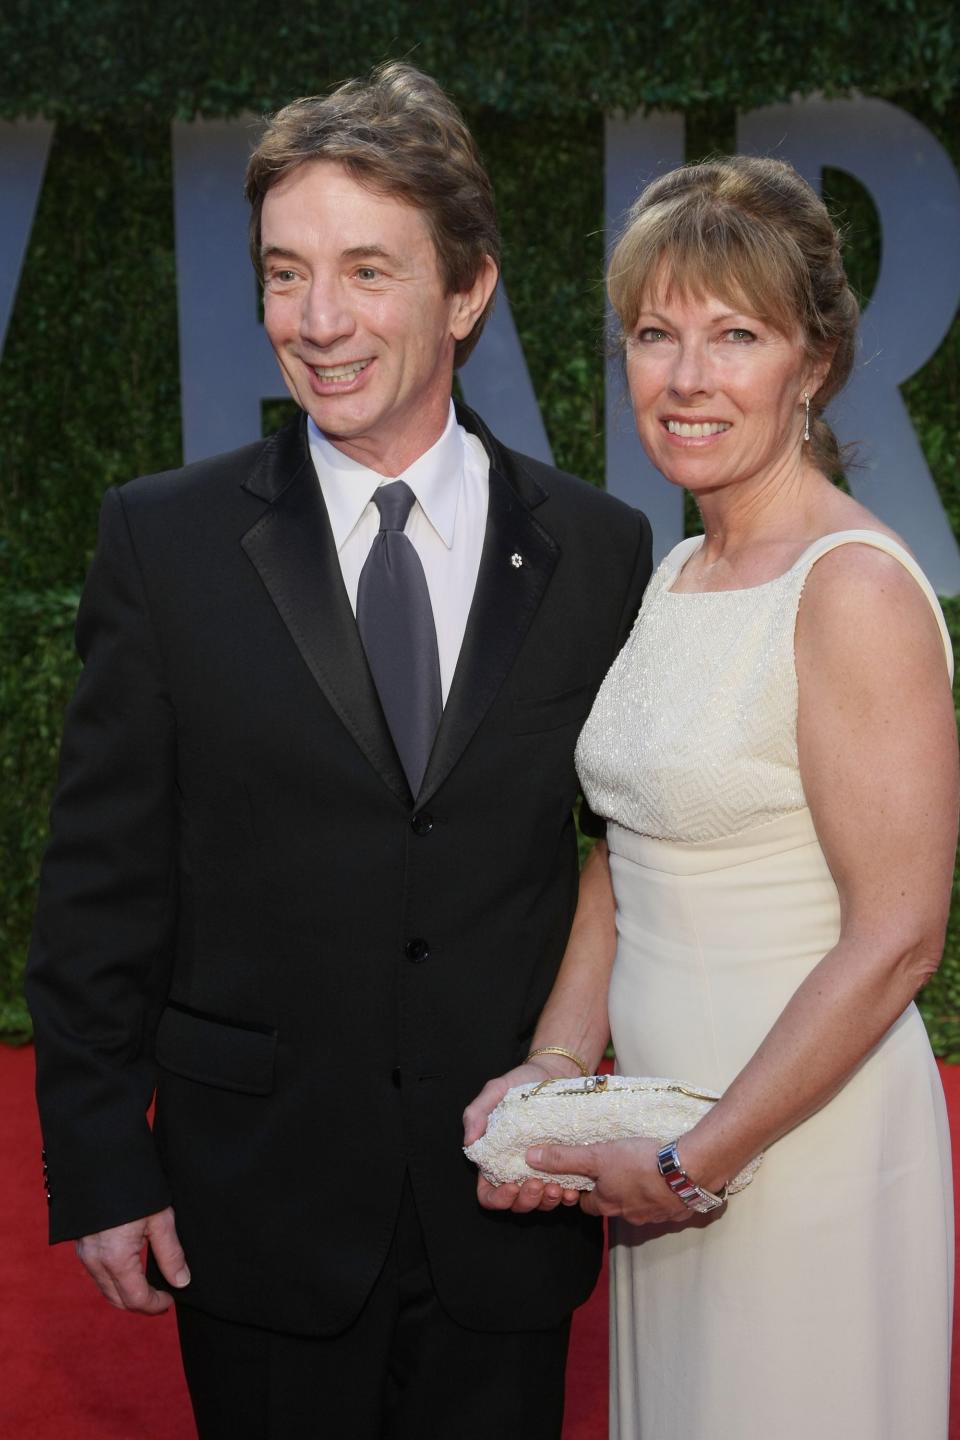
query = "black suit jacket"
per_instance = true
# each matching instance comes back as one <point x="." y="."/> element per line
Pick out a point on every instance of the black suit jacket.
<point x="244" y="908"/>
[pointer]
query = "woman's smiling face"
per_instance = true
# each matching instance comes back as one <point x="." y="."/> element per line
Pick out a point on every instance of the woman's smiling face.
<point x="717" y="392"/>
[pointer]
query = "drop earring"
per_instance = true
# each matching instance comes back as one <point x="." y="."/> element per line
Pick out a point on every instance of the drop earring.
<point x="806" y="418"/>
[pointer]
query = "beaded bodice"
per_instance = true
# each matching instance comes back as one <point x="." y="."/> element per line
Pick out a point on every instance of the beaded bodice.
<point x="693" y="733"/>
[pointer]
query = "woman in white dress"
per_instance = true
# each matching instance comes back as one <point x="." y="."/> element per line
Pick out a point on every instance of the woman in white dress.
<point x="774" y="752"/>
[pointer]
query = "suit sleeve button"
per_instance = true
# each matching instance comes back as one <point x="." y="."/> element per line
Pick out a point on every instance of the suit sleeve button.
<point x="417" y="951"/>
<point x="421" y="823"/>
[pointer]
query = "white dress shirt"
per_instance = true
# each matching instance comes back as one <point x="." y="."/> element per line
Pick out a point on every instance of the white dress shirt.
<point x="446" y="524"/>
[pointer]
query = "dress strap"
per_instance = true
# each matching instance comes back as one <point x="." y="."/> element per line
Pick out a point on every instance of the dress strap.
<point x="878" y="541"/>
<point x="669" y="568"/>
<point x="675" y="559"/>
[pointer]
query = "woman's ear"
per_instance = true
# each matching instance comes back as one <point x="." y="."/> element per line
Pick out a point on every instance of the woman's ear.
<point x="817" y="370"/>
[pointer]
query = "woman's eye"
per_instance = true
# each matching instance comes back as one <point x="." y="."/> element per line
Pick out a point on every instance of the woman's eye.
<point x="740" y="336"/>
<point x="649" y="335"/>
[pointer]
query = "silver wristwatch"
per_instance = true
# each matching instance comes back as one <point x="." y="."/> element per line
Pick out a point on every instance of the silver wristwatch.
<point x="693" y="1196"/>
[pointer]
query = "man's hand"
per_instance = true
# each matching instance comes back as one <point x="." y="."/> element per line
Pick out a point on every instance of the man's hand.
<point x="533" y="1194"/>
<point x="115" y="1260"/>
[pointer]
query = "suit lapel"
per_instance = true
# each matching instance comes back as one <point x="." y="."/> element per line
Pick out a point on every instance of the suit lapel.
<point x="516" y="564"/>
<point x="293" y="551"/>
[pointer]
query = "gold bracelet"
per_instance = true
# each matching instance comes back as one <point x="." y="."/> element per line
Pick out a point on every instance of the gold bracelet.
<point x="559" y="1050"/>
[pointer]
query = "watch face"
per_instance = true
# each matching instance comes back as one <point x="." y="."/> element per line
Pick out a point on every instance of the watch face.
<point x="708" y="1202"/>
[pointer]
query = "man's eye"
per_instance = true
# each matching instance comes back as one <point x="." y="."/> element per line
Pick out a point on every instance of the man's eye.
<point x="367" y="272"/>
<point x="283" y="277"/>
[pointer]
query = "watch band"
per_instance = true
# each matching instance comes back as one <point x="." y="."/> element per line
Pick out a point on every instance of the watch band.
<point x="693" y="1196"/>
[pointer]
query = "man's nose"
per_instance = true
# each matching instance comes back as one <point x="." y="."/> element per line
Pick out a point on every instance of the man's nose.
<point x="326" y="316"/>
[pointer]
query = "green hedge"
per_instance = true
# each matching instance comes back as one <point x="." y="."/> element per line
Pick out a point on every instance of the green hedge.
<point x="37" y="674"/>
<point x="522" y="59"/>
<point x="89" y="381"/>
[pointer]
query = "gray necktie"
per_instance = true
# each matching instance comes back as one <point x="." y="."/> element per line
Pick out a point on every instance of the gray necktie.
<point x="398" y="633"/>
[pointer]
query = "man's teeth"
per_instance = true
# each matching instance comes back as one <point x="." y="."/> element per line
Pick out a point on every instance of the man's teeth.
<point x="697" y="432"/>
<point x="339" y="372"/>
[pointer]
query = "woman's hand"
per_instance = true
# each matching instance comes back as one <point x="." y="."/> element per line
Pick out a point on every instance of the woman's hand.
<point x="532" y="1194"/>
<point x="628" y="1182"/>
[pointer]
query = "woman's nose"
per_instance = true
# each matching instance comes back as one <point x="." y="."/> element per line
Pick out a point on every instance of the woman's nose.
<point x="691" y="372"/>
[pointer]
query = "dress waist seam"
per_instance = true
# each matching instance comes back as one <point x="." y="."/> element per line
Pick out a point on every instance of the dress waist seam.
<point x="774" y="837"/>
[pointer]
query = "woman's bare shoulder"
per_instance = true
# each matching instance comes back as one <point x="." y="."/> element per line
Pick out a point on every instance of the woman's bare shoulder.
<point x="862" y="606"/>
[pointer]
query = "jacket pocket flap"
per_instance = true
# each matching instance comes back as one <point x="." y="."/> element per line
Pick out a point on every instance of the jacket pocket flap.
<point x="216" y="1052"/>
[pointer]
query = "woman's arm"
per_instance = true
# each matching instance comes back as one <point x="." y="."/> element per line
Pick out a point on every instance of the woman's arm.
<point x="575" y="1017"/>
<point x="575" y="1014"/>
<point x="878" y="759"/>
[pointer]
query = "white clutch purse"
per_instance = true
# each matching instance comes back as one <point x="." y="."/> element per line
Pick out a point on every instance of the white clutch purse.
<point x="586" y="1112"/>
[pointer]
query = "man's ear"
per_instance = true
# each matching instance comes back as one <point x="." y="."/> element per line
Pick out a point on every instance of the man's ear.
<point x="469" y="304"/>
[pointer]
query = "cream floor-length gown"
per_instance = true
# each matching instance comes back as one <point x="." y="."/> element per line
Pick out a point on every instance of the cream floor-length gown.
<point x="817" y="1304"/>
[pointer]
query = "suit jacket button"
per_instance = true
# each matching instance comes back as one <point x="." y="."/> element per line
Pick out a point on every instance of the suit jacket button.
<point x="417" y="951"/>
<point x="422" y="823"/>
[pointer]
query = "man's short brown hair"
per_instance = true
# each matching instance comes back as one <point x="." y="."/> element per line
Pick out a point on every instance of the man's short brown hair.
<point x="398" y="134"/>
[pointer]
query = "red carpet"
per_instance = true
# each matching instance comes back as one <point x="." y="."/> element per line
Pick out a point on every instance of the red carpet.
<point x="72" y="1368"/>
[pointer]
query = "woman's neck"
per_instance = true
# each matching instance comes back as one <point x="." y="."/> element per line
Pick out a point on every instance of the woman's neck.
<point x="778" y="509"/>
<point x="752" y="533"/>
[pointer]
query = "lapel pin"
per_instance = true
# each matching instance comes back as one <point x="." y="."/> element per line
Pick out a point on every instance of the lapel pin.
<point x="516" y="560"/>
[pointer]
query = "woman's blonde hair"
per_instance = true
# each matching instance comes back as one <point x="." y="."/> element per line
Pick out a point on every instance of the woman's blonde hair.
<point x="751" y="231"/>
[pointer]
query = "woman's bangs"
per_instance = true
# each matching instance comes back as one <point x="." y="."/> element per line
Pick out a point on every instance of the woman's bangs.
<point x="751" y="282"/>
<point x="698" y="253"/>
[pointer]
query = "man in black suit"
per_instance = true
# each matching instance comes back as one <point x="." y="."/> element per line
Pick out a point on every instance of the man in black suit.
<point x="313" y="862"/>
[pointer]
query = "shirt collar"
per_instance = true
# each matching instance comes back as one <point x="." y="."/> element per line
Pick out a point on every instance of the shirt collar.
<point x="435" y="478"/>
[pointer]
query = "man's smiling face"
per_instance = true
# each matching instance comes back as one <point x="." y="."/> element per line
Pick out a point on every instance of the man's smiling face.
<point x="356" y="311"/>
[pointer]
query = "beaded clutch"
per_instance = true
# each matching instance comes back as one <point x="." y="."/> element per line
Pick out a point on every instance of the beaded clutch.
<point x="587" y="1112"/>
